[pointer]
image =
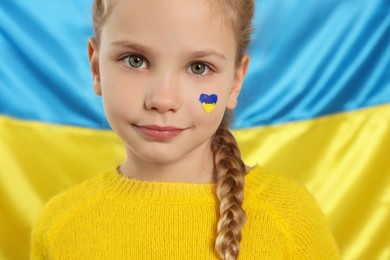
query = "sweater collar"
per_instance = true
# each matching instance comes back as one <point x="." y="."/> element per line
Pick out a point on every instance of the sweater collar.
<point x="116" y="184"/>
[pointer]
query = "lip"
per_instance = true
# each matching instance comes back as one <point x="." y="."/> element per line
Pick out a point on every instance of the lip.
<point x="159" y="132"/>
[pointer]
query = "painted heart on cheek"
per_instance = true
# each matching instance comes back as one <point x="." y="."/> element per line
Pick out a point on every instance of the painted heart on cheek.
<point x="208" y="102"/>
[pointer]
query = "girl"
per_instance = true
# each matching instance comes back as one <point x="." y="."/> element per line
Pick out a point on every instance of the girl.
<point x="168" y="71"/>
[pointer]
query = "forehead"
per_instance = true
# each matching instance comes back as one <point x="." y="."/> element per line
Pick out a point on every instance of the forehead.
<point x="169" y="22"/>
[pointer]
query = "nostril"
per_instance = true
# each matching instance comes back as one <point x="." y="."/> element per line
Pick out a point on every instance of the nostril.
<point x="163" y="93"/>
<point x="162" y="102"/>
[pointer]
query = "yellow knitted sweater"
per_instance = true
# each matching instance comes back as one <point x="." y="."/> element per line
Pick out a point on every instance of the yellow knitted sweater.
<point x="113" y="217"/>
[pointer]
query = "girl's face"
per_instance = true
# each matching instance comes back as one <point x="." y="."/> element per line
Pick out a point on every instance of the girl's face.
<point x="153" y="62"/>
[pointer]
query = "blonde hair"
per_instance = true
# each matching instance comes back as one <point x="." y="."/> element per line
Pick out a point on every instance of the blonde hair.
<point x="229" y="169"/>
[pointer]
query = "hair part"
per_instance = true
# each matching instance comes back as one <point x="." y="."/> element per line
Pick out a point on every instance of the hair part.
<point x="229" y="169"/>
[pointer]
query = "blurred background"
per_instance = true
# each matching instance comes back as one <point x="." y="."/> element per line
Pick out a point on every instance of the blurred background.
<point x="315" y="107"/>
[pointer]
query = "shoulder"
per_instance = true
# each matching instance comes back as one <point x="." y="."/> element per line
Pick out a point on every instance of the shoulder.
<point x="74" y="197"/>
<point x="275" y="189"/>
<point x="295" y="209"/>
<point x="60" y="206"/>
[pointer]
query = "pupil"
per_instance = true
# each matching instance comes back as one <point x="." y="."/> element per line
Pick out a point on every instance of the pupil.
<point x="198" y="68"/>
<point x="136" y="61"/>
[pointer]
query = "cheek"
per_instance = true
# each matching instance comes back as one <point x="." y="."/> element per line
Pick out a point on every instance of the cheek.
<point x="208" y="102"/>
<point x="212" y="99"/>
<point x="121" y="96"/>
<point x="203" y="107"/>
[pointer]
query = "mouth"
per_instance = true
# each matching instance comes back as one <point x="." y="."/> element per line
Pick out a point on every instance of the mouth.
<point x="159" y="132"/>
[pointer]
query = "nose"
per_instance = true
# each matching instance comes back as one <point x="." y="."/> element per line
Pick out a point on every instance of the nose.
<point x="163" y="94"/>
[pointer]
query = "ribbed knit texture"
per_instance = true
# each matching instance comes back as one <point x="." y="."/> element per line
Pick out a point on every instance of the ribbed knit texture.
<point x="114" y="217"/>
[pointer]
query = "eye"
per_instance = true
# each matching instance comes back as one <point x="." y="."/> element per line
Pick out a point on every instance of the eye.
<point x="135" y="61"/>
<point x="199" y="68"/>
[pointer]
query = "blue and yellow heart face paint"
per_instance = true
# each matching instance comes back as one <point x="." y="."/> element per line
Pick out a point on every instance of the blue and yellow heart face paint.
<point x="208" y="102"/>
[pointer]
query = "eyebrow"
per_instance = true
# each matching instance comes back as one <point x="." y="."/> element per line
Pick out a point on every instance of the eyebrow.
<point x="131" y="45"/>
<point x="208" y="53"/>
<point x="195" y="54"/>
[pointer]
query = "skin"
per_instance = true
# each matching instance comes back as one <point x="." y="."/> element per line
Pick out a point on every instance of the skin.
<point x="177" y="39"/>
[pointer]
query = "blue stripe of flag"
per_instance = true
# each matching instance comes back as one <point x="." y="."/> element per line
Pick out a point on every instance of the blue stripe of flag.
<point x="307" y="60"/>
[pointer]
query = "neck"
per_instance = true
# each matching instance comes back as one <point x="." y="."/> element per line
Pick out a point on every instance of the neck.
<point x="196" y="167"/>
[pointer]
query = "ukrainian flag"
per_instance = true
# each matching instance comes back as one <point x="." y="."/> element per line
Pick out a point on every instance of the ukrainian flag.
<point x="315" y="107"/>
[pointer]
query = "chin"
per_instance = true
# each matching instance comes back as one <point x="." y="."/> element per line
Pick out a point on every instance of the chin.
<point x="157" y="156"/>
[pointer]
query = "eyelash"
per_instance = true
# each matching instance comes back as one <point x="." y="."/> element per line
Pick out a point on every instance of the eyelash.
<point x="129" y="56"/>
<point x="208" y="67"/>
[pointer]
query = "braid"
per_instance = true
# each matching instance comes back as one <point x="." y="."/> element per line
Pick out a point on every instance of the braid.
<point x="229" y="171"/>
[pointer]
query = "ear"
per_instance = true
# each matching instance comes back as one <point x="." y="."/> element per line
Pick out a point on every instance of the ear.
<point x="237" y="82"/>
<point x="93" y="55"/>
